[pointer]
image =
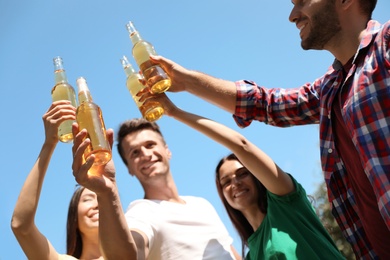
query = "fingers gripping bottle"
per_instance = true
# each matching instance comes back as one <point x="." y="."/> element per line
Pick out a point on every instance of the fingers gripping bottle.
<point x="156" y="78"/>
<point x="151" y="110"/>
<point x="62" y="90"/>
<point x="89" y="116"/>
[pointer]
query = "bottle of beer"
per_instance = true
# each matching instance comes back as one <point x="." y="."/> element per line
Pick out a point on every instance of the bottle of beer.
<point x="156" y="78"/>
<point x="62" y="90"/>
<point x="89" y="116"/>
<point x="150" y="110"/>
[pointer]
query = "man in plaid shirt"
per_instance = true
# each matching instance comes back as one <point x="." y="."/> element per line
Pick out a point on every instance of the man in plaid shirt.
<point x="351" y="102"/>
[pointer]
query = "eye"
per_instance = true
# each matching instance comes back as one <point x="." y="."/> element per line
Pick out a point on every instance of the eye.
<point x="225" y="182"/>
<point x="150" y="145"/>
<point x="243" y="174"/>
<point x="134" y="153"/>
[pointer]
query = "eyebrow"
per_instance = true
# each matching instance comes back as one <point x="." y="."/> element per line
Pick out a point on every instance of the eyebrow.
<point x="88" y="195"/>
<point x="239" y="170"/>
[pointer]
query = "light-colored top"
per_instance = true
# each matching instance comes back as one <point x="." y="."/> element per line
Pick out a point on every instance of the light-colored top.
<point x="181" y="231"/>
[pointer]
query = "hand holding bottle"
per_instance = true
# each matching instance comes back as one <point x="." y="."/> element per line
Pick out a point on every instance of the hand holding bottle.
<point x="156" y="78"/>
<point x="180" y="76"/>
<point x="135" y="84"/>
<point x="62" y="90"/>
<point x="58" y="112"/>
<point x="97" y="178"/>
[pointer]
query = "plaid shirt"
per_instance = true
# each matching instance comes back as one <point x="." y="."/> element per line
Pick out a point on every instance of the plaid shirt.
<point x="366" y="115"/>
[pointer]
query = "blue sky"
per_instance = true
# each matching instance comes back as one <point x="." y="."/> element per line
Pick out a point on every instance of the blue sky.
<point x="228" y="39"/>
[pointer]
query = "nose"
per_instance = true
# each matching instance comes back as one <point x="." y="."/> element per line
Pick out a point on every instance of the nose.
<point x="294" y="15"/>
<point x="145" y="152"/>
<point x="235" y="181"/>
<point x="95" y="204"/>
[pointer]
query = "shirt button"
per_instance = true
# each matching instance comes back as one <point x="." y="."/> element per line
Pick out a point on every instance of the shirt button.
<point x="335" y="83"/>
<point x="330" y="150"/>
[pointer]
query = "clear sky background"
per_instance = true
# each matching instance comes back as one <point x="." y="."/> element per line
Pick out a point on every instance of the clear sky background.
<point x="228" y="39"/>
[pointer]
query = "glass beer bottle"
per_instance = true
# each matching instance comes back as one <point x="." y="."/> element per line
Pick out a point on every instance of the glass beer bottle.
<point x="156" y="78"/>
<point x="62" y="90"/>
<point x="89" y="116"/>
<point x="152" y="110"/>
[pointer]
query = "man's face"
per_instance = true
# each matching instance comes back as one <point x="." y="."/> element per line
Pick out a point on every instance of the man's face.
<point x="317" y="21"/>
<point x="146" y="154"/>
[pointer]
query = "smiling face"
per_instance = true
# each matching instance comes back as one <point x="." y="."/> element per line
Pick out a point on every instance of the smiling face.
<point x="238" y="185"/>
<point x="146" y="154"/>
<point x="317" y="22"/>
<point x="88" y="212"/>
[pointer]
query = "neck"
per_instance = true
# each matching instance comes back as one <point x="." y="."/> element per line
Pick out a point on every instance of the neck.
<point x="162" y="189"/>
<point x="254" y="216"/>
<point x="91" y="249"/>
<point x="346" y="43"/>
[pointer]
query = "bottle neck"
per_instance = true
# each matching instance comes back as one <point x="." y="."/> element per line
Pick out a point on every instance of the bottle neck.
<point x="60" y="76"/>
<point x="135" y="37"/>
<point x="129" y="71"/>
<point x="85" y="96"/>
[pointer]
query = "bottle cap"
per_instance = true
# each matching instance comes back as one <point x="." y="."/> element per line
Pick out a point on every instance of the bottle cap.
<point x="82" y="84"/>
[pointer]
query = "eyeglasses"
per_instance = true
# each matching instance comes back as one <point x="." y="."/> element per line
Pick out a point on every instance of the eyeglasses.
<point x="239" y="175"/>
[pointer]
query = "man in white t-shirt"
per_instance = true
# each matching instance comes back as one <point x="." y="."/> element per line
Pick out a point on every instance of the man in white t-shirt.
<point x="163" y="225"/>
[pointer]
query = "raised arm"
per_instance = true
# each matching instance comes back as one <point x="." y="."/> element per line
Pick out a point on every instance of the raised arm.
<point x="253" y="158"/>
<point x="219" y="92"/>
<point x="34" y="244"/>
<point x="115" y="237"/>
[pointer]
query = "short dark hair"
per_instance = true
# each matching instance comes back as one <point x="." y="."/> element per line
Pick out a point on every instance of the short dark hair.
<point x="239" y="221"/>
<point x="131" y="126"/>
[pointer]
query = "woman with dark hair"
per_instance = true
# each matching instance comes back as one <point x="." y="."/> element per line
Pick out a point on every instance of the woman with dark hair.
<point x="83" y="214"/>
<point x="268" y="207"/>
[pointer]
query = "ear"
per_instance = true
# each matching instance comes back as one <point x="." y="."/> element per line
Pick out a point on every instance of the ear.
<point x="128" y="170"/>
<point x="346" y="3"/>
<point x="169" y="153"/>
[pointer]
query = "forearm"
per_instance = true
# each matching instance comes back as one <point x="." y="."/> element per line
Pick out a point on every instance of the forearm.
<point x="115" y="237"/>
<point x="220" y="133"/>
<point x="219" y="92"/>
<point x="253" y="158"/>
<point x="27" y="203"/>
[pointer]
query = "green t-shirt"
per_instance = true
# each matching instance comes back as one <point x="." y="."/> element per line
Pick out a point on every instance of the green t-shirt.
<point x="291" y="230"/>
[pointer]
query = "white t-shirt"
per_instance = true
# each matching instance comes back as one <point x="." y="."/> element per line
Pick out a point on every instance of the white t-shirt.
<point x="181" y="231"/>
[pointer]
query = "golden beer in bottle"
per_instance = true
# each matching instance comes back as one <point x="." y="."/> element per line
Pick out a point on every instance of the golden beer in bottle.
<point x="89" y="116"/>
<point x="151" y="110"/>
<point x="62" y="90"/>
<point x="156" y="78"/>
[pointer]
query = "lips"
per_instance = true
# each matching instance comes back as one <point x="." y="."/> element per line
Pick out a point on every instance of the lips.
<point x="240" y="193"/>
<point x="94" y="216"/>
<point x="300" y="28"/>
<point x="148" y="165"/>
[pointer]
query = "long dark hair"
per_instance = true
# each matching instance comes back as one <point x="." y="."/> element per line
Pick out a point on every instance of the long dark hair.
<point x="239" y="221"/>
<point x="74" y="243"/>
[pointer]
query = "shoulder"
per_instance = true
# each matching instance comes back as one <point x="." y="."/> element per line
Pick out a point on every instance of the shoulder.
<point x="141" y="205"/>
<point x="195" y="200"/>
<point x="298" y="192"/>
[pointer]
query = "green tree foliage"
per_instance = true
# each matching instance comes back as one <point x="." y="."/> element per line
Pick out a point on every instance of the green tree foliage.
<point x="322" y="206"/>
